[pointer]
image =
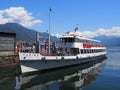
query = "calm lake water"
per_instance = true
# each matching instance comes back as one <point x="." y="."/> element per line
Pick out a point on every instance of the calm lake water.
<point x="100" y="75"/>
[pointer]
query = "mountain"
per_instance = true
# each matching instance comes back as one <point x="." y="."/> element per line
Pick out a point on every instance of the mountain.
<point x="25" y="34"/>
<point x="22" y="33"/>
<point x="109" y="41"/>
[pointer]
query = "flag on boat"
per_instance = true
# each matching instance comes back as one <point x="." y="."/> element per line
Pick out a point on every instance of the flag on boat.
<point x="76" y="29"/>
<point x="50" y="9"/>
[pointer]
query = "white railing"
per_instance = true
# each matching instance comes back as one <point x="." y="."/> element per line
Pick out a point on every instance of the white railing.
<point x="38" y="56"/>
<point x="29" y="56"/>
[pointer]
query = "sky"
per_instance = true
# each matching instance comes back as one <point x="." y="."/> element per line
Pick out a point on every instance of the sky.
<point x="93" y="17"/>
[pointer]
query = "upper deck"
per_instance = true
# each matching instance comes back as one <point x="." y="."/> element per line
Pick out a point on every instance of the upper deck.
<point x="74" y="37"/>
<point x="74" y="40"/>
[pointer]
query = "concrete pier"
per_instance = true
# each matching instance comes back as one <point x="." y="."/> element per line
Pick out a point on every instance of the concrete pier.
<point x="11" y="60"/>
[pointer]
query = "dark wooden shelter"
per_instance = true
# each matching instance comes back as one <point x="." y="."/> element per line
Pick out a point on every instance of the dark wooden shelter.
<point x="7" y="43"/>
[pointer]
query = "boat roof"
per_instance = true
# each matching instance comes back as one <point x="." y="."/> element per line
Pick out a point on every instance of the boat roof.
<point x="74" y="35"/>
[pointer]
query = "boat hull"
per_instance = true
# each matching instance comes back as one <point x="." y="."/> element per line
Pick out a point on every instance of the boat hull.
<point x="28" y="66"/>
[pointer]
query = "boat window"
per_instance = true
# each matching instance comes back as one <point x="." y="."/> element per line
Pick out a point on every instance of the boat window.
<point x="85" y="51"/>
<point x="81" y="51"/>
<point x="88" y="51"/>
<point x="68" y="39"/>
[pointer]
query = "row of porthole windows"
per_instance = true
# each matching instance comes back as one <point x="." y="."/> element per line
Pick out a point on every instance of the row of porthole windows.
<point x="86" y="51"/>
<point x="30" y="54"/>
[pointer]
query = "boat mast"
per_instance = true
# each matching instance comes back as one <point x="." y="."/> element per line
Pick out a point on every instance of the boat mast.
<point x="50" y="10"/>
<point x="37" y="42"/>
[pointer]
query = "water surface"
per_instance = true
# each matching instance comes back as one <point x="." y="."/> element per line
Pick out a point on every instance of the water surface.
<point x="101" y="75"/>
<point x="109" y="78"/>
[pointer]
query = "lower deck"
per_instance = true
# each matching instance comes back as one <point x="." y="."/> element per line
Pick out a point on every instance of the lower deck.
<point x="36" y="65"/>
<point x="38" y="56"/>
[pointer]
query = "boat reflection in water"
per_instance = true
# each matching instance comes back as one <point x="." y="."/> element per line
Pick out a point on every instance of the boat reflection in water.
<point x="70" y="78"/>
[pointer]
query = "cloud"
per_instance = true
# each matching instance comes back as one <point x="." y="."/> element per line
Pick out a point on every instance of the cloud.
<point x="115" y="31"/>
<point x="89" y="34"/>
<point x="17" y="15"/>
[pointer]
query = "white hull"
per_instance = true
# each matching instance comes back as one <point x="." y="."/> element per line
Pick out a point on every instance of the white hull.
<point x="45" y="64"/>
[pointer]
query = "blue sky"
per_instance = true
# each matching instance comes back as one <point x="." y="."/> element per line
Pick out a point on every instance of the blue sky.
<point x="90" y="15"/>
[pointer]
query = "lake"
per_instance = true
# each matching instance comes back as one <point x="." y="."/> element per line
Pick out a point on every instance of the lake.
<point x="99" y="75"/>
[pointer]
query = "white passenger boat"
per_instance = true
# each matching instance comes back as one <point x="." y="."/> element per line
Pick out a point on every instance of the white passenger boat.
<point x="73" y="50"/>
